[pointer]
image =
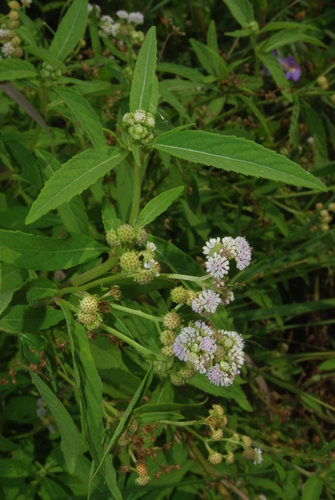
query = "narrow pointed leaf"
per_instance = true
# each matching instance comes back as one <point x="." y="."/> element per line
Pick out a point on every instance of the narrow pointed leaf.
<point x="140" y="94"/>
<point x="14" y="69"/>
<point x="74" y="177"/>
<point x="157" y="206"/>
<point x="84" y="114"/>
<point x="70" y="443"/>
<point x="70" y="30"/>
<point x="237" y="155"/>
<point x="49" y="254"/>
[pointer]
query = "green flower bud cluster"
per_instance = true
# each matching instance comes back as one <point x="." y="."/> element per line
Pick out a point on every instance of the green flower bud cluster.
<point x="253" y="26"/>
<point x="138" y="125"/>
<point x="89" y="314"/>
<point x="126" y="235"/>
<point x="50" y="71"/>
<point x="137" y="36"/>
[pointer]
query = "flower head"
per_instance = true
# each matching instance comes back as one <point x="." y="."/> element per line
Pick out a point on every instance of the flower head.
<point x="217" y="266"/>
<point x="136" y="18"/>
<point x="7" y="49"/>
<point x="290" y="66"/>
<point x="5" y="34"/>
<point x="217" y="376"/>
<point x="196" y="345"/>
<point x="206" y="302"/>
<point x="258" y="458"/>
<point x="122" y="14"/>
<point x="107" y="24"/>
<point x="243" y="253"/>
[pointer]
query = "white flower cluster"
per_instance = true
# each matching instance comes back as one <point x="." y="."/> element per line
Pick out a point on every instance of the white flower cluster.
<point x="7" y="49"/>
<point x="134" y="17"/>
<point x="220" y="251"/>
<point x="108" y="26"/>
<point x="5" y="34"/>
<point x="138" y="125"/>
<point x="219" y="354"/>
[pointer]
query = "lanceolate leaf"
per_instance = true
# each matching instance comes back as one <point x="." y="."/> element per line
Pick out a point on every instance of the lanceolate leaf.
<point x="70" y="30"/>
<point x="46" y="55"/>
<point x="235" y="154"/>
<point x="70" y="443"/>
<point x="157" y="206"/>
<point x="138" y="396"/>
<point x="276" y="71"/>
<point x="48" y="254"/>
<point x="84" y="114"/>
<point x="209" y="59"/>
<point x="24" y="319"/>
<point x="88" y="385"/>
<point x="14" y="69"/>
<point x="74" y="177"/>
<point x="109" y="218"/>
<point x="312" y="488"/>
<point x="140" y="94"/>
<point x="241" y="10"/>
<point x="285" y="37"/>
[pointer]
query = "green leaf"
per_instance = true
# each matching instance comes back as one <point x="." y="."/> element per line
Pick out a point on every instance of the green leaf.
<point x="74" y="216"/>
<point x="209" y="59"/>
<point x="235" y="154"/>
<point x="276" y="71"/>
<point x="39" y="289"/>
<point x="294" y="125"/>
<point x="70" y="30"/>
<point x="281" y="25"/>
<point x="14" y="69"/>
<point x="328" y="365"/>
<point x="171" y="99"/>
<point x="47" y="254"/>
<point x="212" y="39"/>
<point x="184" y="71"/>
<point x="144" y="73"/>
<point x="111" y="478"/>
<point x="109" y="218"/>
<point x="256" y="111"/>
<point x="153" y="101"/>
<point x="70" y="443"/>
<point x="232" y="392"/>
<point x="10" y="468"/>
<point x="84" y="114"/>
<point x="241" y="10"/>
<point x="46" y="56"/>
<point x="316" y="129"/>
<point x="138" y="396"/>
<point x="286" y="37"/>
<point x="11" y="279"/>
<point x="157" y="206"/>
<point x="312" y="488"/>
<point x="25" y="319"/>
<point x="74" y="177"/>
<point x="88" y="385"/>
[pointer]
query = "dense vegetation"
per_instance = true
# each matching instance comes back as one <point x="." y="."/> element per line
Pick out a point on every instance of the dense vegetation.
<point x="167" y="250"/>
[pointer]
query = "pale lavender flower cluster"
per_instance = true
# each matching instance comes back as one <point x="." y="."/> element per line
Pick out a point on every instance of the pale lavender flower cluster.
<point x="206" y="302"/>
<point x="109" y="27"/>
<point x="220" y="251"/>
<point x="219" y="355"/>
<point x="134" y="17"/>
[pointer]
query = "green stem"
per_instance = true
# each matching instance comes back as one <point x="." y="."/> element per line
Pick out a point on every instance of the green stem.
<point x="66" y="304"/>
<point x="148" y="354"/>
<point x="111" y="409"/>
<point x="92" y="273"/>
<point x="136" y="312"/>
<point x="92" y="284"/>
<point x="44" y="103"/>
<point x="65" y="377"/>
<point x="135" y="209"/>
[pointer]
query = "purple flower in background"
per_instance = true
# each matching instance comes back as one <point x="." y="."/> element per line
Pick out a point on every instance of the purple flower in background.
<point x="290" y="66"/>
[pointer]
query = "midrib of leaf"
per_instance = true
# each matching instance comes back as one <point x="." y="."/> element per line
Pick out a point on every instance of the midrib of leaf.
<point x="75" y="181"/>
<point x="145" y="73"/>
<point x="70" y="32"/>
<point x="204" y="152"/>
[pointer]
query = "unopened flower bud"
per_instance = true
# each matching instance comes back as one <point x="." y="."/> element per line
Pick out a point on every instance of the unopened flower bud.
<point x="215" y="458"/>
<point x="331" y="207"/>
<point x="167" y="337"/>
<point x="16" y="42"/>
<point x="14" y="24"/>
<point x="167" y="350"/>
<point x="142" y="469"/>
<point x="142" y="480"/>
<point x="179" y="295"/>
<point x="144" y="277"/>
<point x="13" y="15"/>
<point x="14" y="5"/>
<point x="171" y="320"/>
<point x="17" y="53"/>
<point x="126" y="233"/>
<point x="246" y="442"/>
<point x="191" y="295"/>
<point x="112" y="238"/>
<point x="230" y="458"/>
<point x="249" y="454"/>
<point x="217" y="435"/>
<point x="129" y="261"/>
<point x="176" y="379"/>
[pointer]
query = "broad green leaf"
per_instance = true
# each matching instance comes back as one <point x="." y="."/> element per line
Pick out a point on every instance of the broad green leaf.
<point x="70" y="30"/>
<point x="239" y="33"/>
<point x="47" y="254"/>
<point x="93" y="27"/>
<point x="294" y="125"/>
<point x="70" y="443"/>
<point x="235" y="154"/>
<point x="7" y="445"/>
<point x="144" y="73"/>
<point x="157" y="206"/>
<point x="317" y="131"/>
<point x="46" y="55"/>
<point x="272" y="212"/>
<point x="276" y="71"/>
<point x="88" y="385"/>
<point x="84" y="114"/>
<point x="212" y="39"/>
<point x="109" y="218"/>
<point x="14" y="69"/>
<point x="74" y="177"/>
<point x="25" y="319"/>
<point x="291" y="492"/>
<point x="178" y="69"/>
<point x="74" y="216"/>
<point x="285" y="37"/>
<point x="328" y="365"/>
<point x="234" y="391"/>
<point x="241" y="10"/>
<point x="281" y="25"/>
<point x="138" y="396"/>
<point x="209" y="59"/>
<point x="11" y="469"/>
<point x="111" y="478"/>
<point x="11" y="279"/>
<point x="153" y="101"/>
<point x="24" y="159"/>
<point x="312" y="488"/>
